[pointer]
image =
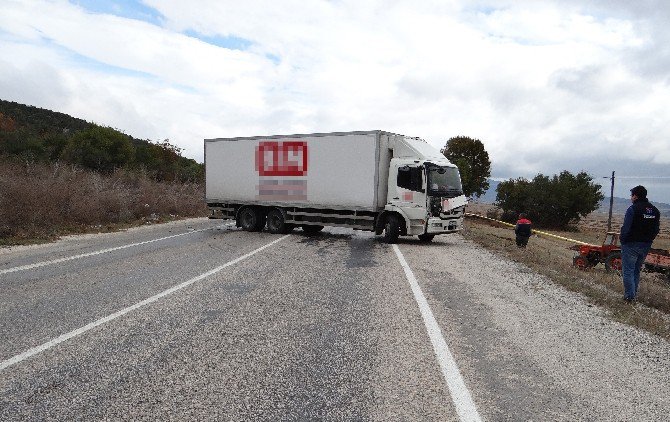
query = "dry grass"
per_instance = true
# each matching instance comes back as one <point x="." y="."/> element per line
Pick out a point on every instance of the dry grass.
<point x="42" y="201"/>
<point x="552" y="258"/>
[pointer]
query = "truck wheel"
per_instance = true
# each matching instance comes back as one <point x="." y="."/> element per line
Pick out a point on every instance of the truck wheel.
<point x="391" y="229"/>
<point x="311" y="229"/>
<point x="613" y="262"/>
<point x="251" y="220"/>
<point x="277" y="223"/>
<point x="426" y="237"/>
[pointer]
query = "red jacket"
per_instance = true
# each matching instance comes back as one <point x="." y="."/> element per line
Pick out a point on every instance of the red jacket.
<point x="523" y="228"/>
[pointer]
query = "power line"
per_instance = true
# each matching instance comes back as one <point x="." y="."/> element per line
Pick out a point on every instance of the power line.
<point x="639" y="177"/>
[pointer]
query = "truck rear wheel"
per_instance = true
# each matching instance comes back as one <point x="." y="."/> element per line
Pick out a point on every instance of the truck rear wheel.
<point x="277" y="223"/>
<point x="391" y="229"/>
<point x="251" y="219"/>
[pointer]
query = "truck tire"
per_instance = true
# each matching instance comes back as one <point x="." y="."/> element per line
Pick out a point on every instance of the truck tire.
<point x="426" y="237"/>
<point x="311" y="229"/>
<point x="391" y="229"/>
<point x="251" y="219"/>
<point x="277" y="222"/>
<point x="613" y="262"/>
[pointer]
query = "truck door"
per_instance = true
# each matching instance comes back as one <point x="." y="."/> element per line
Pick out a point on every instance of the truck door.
<point x="409" y="187"/>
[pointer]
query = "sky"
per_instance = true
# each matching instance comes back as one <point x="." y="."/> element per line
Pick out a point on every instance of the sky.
<point x="546" y="85"/>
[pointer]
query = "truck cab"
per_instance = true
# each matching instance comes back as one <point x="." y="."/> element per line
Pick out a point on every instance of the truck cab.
<point x="428" y="195"/>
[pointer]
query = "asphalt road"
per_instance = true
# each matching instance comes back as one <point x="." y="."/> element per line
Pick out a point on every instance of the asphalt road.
<point x="197" y="320"/>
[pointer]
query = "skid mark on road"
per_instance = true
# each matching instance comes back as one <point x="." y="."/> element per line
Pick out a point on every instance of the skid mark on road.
<point x="67" y="336"/>
<point x="460" y="395"/>
<point x="100" y="252"/>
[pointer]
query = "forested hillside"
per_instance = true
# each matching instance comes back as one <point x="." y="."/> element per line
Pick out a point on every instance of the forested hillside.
<point x="40" y="135"/>
<point x="60" y="175"/>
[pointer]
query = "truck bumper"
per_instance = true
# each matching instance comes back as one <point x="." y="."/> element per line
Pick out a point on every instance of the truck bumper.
<point x="437" y="225"/>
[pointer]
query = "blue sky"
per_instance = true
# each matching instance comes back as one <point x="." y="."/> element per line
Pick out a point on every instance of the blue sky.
<point x="124" y="8"/>
<point x="546" y="85"/>
<point x="137" y="10"/>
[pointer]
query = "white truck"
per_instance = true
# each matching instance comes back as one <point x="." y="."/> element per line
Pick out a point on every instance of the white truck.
<point x="373" y="180"/>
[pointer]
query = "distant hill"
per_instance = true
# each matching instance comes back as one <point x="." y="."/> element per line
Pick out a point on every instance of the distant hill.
<point x="36" y="134"/>
<point x="14" y="116"/>
<point x="489" y="196"/>
<point x="619" y="206"/>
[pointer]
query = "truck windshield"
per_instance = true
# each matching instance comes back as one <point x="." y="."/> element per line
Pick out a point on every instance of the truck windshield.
<point x="444" y="181"/>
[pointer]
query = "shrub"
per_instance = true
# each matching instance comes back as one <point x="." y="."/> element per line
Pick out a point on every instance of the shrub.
<point x="554" y="202"/>
<point x="40" y="200"/>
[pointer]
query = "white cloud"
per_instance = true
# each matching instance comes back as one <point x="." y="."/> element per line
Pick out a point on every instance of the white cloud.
<point x="538" y="82"/>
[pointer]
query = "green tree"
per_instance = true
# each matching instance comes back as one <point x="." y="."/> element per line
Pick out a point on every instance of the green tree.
<point x="163" y="162"/>
<point x="472" y="161"/>
<point x="169" y="156"/>
<point x="100" y="148"/>
<point x="552" y="202"/>
<point x="22" y="143"/>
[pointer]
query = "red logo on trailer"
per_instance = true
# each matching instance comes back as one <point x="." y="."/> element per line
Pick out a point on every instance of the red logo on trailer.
<point x="281" y="158"/>
<point x="282" y="171"/>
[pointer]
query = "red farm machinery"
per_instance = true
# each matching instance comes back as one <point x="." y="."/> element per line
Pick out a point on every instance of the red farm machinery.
<point x="609" y="254"/>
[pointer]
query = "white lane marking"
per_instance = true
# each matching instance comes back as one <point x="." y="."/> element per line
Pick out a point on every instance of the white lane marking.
<point x="460" y="395"/>
<point x="102" y="251"/>
<point x="74" y="333"/>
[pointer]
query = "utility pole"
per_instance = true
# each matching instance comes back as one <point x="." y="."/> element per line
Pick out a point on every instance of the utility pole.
<point x="609" y="219"/>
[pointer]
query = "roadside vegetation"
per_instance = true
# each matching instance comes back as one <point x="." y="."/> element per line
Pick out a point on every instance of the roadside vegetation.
<point x="552" y="258"/>
<point x="62" y="175"/>
<point x="40" y="201"/>
<point x="555" y="202"/>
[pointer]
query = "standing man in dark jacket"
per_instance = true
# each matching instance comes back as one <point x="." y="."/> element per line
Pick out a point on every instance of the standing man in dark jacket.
<point x="522" y="230"/>
<point x="640" y="227"/>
